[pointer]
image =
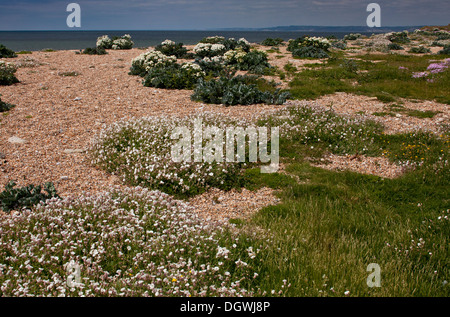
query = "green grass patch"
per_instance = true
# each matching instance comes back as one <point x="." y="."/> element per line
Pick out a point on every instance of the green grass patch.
<point x="386" y="77"/>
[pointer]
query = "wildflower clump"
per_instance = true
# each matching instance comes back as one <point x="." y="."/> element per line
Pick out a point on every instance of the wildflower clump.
<point x="139" y="151"/>
<point x="134" y="242"/>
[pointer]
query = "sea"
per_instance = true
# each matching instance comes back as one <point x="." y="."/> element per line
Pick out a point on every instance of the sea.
<point x="77" y="40"/>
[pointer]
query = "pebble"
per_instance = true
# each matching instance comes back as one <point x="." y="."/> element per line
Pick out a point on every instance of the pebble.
<point x="16" y="140"/>
<point x="72" y="151"/>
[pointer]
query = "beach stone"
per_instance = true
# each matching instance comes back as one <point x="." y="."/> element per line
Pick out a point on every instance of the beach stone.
<point x="16" y="140"/>
<point x="2" y="156"/>
<point x="72" y="151"/>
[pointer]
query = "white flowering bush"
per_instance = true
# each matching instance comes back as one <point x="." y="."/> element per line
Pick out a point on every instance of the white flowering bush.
<point x="104" y="42"/>
<point x="145" y="61"/>
<point x="234" y="56"/>
<point x="139" y="151"/>
<point x="209" y="50"/>
<point x="170" y="48"/>
<point x="134" y="242"/>
<point x="213" y="39"/>
<point x="116" y="43"/>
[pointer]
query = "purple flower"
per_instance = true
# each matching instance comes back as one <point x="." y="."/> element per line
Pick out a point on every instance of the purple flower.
<point x="437" y="68"/>
<point x="419" y="74"/>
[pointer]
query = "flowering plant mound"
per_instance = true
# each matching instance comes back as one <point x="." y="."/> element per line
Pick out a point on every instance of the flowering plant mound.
<point x="230" y="43"/>
<point x="6" y="52"/>
<point x="144" y="62"/>
<point x="116" y="43"/>
<point x="134" y="242"/>
<point x="174" y="76"/>
<point x="202" y="50"/>
<point x="7" y="71"/>
<point x="170" y="48"/>
<point x="309" y="47"/>
<point x="433" y="70"/>
<point x="139" y="151"/>
<point x="214" y="66"/>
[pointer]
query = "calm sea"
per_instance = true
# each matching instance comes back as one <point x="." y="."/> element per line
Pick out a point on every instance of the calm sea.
<point x="76" y="40"/>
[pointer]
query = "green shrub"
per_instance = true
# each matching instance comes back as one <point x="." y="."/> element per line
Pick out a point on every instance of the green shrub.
<point x="341" y="45"/>
<point x="352" y="36"/>
<point x="234" y="91"/>
<point x="309" y="52"/>
<point x="399" y="37"/>
<point x="212" y="39"/>
<point x="174" y="76"/>
<point x="5" y="106"/>
<point x="142" y="63"/>
<point x="17" y="198"/>
<point x="419" y="50"/>
<point x="272" y="42"/>
<point x="445" y="50"/>
<point x="255" y="61"/>
<point x="7" y="71"/>
<point x="170" y="48"/>
<point x="394" y="47"/>
<point x="94" y="51"/>
<point x="116" y="43"/>
<point x="212" y="66"/>
<point x="6" y="52"/>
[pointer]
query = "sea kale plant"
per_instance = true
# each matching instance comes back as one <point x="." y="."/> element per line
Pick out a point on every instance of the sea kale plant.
<point x="116" y="43"/>
<point x="170" y="48"/>
<point x="94" y="51"/>
<point x="7" y="71"/>
<point x="255" y="61"/>
<point x="272" y="42"/>
<point x="202" y="50"/>
<point x="174" y="76"/>
<point x="129" y="243"/>
<point x="242" y="90"/>
<point x="144" y="62"/>
<point x="6" y="52"/>
<point x="309" y="47"/>
<point x="25" y="197"/>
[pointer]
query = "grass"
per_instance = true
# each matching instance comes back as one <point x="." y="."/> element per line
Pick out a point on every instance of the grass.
<point x="387" y="77"/>
<point x="394" y="109"/>
<point x="331" y="225"/>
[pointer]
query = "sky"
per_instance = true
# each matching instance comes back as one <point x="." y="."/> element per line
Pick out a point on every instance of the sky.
<point x="214" y="14"/>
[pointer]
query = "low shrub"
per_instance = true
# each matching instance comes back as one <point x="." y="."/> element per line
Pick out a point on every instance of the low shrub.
<point x="214" y="66"/>
<point x="142" y="63"/>
<point x="399" y="37"/>
<point x="202" y="50"/>
<point x="5" y="106"/>
<point x="394" y="47"/>
<point x="341" y="45"/>
<point x="255" y="61"/>
<point x="6" y="52"/>
<point x="419" y="50"/>
<point x="116" y="43"/>
<point x="174" y="76"/>
<point x="7" y="71"/>
<point x="94" y="51"/>
<point x="352" y="36"/>
<point x="272" y="41"/>
<point x="25" y="197"/>
<point x="309" y="52"/>
<point x="170" y="48"/>
<point x="234" y="91"/>
<point x="445" y="50"/>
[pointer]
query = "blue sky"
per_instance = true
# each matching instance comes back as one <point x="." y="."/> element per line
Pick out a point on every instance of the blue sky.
<point x="209" y="14"/>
